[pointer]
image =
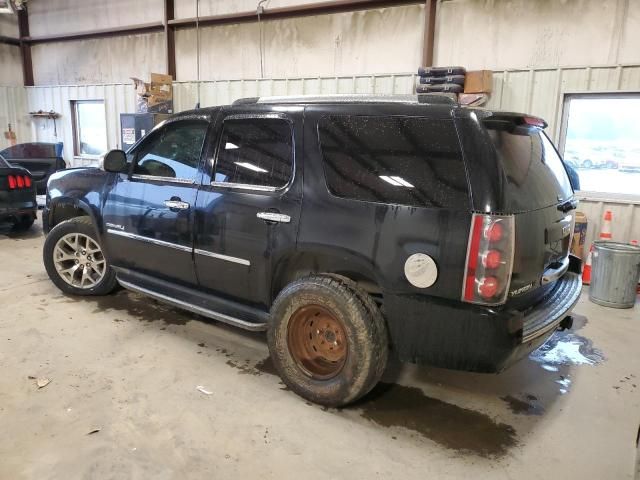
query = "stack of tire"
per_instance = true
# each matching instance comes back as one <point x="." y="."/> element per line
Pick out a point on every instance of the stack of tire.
<point x="441" y="80"/>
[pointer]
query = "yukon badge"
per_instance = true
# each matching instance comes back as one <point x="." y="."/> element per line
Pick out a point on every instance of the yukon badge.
<point x="521" y="290"/>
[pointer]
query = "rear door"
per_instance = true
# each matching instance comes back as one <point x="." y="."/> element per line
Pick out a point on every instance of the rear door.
<point x="148" y="214"/>
<point x="522" y="174"/>
<point x="248" y="207"/>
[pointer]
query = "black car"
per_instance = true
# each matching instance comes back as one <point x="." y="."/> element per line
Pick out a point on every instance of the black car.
<point x="17" y="196"/>
<point x="345" y="227"/>
<point x="40" y="158"/>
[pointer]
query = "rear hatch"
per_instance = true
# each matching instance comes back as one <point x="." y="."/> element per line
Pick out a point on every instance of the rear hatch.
<point x="515" y="169"/>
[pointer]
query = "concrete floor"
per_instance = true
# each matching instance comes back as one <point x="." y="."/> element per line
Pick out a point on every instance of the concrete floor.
<point x="129" y="367"/>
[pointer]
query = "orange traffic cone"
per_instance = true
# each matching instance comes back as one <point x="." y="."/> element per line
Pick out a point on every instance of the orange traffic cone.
<point x="605" y="231"/>
<point x="586" y="269"/>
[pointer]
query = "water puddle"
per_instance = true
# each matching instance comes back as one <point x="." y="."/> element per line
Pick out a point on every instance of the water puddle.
<point x="528" y="405"/>
<point x="449" y="425"/>
<point x="567" y="348"/>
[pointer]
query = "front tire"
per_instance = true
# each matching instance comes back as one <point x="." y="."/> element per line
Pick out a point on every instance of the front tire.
<point x="74" y="259"/>
<point x="328" y="340"/>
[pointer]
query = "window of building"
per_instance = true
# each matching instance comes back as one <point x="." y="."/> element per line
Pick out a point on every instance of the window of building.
<point x="89" y="128"/>
<point x="173" y="151"/>
<point x="256" y="152"/>
<point x="601" y="141"/>
<point x="401" y="160"/>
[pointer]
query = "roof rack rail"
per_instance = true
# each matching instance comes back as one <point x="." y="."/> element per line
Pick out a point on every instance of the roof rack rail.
<point x="427" y="98"/>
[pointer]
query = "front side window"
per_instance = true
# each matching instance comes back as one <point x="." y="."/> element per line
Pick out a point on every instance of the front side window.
<point x="89" y="128"/>
<point x="401" y="160"/>
<point x="255" y="152"/>
<point x="173" y="151"/>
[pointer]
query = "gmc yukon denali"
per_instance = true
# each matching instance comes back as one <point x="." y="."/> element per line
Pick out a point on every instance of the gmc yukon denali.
<point x="346" y="227"/>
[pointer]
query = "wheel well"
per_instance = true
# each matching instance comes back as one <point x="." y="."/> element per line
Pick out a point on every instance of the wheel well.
<point x="302" y="265"/>
<point x="66" y="211"/>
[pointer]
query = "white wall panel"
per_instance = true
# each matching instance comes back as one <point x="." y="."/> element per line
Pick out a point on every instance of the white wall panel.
<point x="10" y="65"/>
<point x="625" y="225"/>
<point x="14" y="111"/>
<point x="118" y="98"/>
<point x="105" y="60"/>
<point x="498" y="34"/>
<point x="9" y="25"/>
<point x="363" y="42"/>
<point x="49" y="17"/>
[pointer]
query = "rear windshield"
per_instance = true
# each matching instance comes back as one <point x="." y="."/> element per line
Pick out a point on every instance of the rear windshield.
<point x="536" y="177"/>
<point x="400" y="160"/>
<point x="30" y="150"/>
<point x="3" y="163"/>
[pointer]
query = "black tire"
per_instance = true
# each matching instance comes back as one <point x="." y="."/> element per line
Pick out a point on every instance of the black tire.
<point x="363" y="327"/>
<point x="24" y="223"/>
<point x="82" y="225"/>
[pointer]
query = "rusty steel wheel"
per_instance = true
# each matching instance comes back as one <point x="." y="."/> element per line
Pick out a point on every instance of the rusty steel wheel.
<point x="317" y="342"/>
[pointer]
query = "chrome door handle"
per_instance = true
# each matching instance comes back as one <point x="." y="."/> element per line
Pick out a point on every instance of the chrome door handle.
<point x="274" y="217"/>
<point x="176" y="204"/>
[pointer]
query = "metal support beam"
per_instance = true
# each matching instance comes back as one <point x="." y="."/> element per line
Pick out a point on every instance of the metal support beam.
<point x="430" y="9"/>
<point x="25" y="48"/>
<point x="9" y="40"/>
<point x="170" y="37"/>
<point x="101" y="33"/>
<point x="310" y="9"/>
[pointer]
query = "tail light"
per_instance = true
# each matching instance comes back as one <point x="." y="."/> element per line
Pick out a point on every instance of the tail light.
<point x="489" y="259"/>
<point x="19" y="181"/>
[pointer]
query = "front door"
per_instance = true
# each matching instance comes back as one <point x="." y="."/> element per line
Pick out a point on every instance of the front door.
<point x="148" y="215"/>
<point x="248" y="207"/>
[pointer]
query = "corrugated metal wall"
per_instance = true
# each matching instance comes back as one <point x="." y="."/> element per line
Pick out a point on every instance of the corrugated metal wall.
<point x="118" y="98"/>
<point x="14" y="111"/>
<point x="538" y="91"/>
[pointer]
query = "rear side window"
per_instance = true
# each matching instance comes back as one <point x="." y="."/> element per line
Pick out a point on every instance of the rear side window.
<point x="401" y="160"/>
<point x="3" y="164"/>
<point x="255" y="152"/>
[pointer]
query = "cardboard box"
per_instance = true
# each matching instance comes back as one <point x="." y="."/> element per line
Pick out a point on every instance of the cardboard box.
<point x="478" y="81"/>
<point x="156" y="96"/>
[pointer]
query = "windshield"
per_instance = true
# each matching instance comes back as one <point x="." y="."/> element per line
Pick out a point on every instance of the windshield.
<point x="535" y="174"/>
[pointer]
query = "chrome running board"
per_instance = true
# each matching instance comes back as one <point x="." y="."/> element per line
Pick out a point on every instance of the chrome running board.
<point x="220" y="317"/>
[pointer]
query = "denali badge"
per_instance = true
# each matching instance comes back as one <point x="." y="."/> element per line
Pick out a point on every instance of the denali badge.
<point x="520" y="290"/>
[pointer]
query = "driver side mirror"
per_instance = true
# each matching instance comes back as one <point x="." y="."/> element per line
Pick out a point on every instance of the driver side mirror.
<point x="114" y="161"/>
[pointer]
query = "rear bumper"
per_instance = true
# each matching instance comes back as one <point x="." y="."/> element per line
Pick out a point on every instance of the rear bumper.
<point x="467" y="337"/>
<point x="15" y="210"/>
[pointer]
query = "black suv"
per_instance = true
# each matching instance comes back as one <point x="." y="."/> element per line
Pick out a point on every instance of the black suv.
<point x="344" y="226"/>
